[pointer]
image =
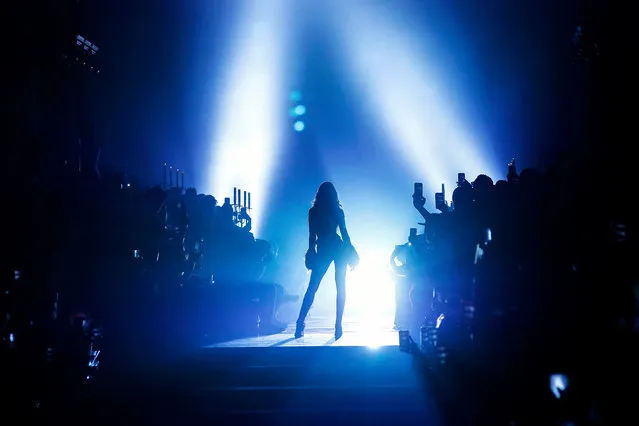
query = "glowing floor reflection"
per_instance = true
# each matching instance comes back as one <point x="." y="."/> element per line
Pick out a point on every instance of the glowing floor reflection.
<point x="319" y="332"/>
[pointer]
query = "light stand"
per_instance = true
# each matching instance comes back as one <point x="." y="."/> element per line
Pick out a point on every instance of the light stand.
<point x="241" y="211"/>
<point x="167" y="177"/>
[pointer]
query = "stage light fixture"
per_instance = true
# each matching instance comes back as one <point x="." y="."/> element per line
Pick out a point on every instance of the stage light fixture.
<point x="299" y="126"/>
<point x="83" y="56"/>
<point x="297" y="110"/>
<point x="86" y="45"/>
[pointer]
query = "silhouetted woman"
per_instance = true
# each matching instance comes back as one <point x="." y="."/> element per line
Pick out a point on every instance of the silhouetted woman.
<point x="324" y="247"/>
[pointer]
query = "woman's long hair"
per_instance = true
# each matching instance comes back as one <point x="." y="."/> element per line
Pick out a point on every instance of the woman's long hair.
<point x="326" y="197"/>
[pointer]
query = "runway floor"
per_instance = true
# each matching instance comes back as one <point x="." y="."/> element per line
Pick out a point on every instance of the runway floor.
<point x="362" y="378"/>
<point x="320" y="332"/>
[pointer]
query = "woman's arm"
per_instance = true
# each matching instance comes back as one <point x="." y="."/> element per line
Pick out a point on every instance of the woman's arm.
<point x="312" y="233"/>
<point x="342" y="227"/>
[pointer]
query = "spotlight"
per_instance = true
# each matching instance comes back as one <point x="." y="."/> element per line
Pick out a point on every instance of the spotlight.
<point x="297" y="110"/>
<point x="244" y="148"/>
<point x="377" y="50"/>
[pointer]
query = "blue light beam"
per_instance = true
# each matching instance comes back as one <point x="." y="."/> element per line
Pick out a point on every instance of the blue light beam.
<point x="246" y="131"/>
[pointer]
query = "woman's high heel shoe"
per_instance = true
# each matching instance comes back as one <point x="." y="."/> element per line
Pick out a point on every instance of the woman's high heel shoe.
<point x="299" y="330"/>
<point x="338" y="331"/>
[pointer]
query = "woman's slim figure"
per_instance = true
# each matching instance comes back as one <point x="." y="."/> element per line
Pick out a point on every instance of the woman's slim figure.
<point x="324" y="219"/>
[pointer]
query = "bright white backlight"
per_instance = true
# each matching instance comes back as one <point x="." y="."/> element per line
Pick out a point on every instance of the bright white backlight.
<point x="248" y="127"/>
<point x="370" y="290"/>
<point x="389" y="62"/>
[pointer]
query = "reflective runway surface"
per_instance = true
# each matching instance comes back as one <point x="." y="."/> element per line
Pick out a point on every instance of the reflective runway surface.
<point x="320" y="332"/>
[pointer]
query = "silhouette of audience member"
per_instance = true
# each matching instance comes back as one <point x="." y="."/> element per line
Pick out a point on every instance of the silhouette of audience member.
<point x="245" y="220"/>
<point x="482" y="192"/>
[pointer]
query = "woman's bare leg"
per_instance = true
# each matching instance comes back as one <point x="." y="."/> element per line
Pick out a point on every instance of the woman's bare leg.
<point x="316" y="278"/>
<point x="340" y="282"/>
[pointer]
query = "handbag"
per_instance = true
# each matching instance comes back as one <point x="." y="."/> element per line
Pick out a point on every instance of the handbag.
<point x="351" y="256"/>
<point x="310" y="259"/>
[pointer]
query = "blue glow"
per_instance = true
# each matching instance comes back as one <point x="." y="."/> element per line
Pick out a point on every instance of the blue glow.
<point x="253" y="84"/>
<point x="558" y="384"/>
<point x="372" y="286"/>
<point x="295" y="96"/>
<point x="300" y="110"/>
<point x="432" y="150"/>
<point x="299" y="126"/>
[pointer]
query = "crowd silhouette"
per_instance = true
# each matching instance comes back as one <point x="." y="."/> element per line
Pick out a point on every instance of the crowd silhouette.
<point x="511" y="283"/>
<point x="102" y="246"/>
